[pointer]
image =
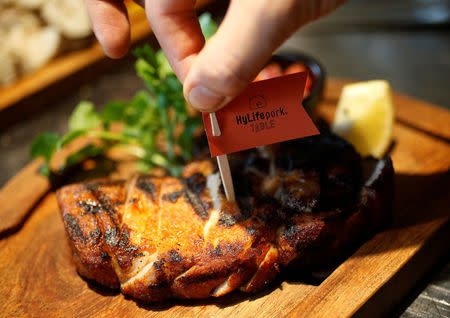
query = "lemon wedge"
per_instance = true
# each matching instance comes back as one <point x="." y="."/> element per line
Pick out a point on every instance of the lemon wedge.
<point x="365" y="117"/>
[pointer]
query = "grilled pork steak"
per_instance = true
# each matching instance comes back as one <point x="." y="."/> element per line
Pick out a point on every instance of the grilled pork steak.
<point x="298" y="203"/>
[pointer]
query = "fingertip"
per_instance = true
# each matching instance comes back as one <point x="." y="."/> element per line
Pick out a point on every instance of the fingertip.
<point x="205" y="100"/>
<point x="175" y="25"/>
<point x="111" y="26"/>
<point x="114" y="41"/>
<point x="207" y="88"/>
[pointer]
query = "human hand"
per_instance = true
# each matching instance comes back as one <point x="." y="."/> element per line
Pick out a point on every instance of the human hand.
<point x="215" y="73"/>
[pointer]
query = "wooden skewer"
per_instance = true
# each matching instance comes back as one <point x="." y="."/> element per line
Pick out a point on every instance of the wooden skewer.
<point x="222" y="162"/>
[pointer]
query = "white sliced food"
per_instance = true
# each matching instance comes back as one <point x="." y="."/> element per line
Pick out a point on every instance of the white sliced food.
<point x="39" y="48"/>
<point x="15" y="24"/>
<point x="13" y="18"/>
<point x="8" y="72"/>
<point x="68" y="16"/>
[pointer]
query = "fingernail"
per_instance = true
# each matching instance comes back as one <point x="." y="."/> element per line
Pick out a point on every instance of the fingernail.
<point x="204" y="99"/>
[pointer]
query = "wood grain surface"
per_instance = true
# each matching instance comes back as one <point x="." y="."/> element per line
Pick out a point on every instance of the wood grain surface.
<point x="37" y="277"/>
<point x="19" y="195"/>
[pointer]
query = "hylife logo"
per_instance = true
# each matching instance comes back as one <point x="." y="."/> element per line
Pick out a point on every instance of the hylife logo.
<point x="257" y="102"/>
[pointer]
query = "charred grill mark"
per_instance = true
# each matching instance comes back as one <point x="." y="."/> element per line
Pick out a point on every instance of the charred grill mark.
<point x="147" y="186"/>
<point x="193" y="185"/>
<point x="105" y="256"/>
<point x="196" y="182"/>
<point x="291" y="232"/>
<point x="251" y="230"/>
<point x="124" y="239"/>
<point x="246" y="208"/>
<point x="217" y="251"/>
<point x="112" y="236"/>
<point x="175" y="256"/>
<point x="301" y="235"/>
<point x="172" y="197"/>
<point x="115" y="237"/>
<point x="200" y="208"/>
<point x="96" y="235"/>
<point x="74" y="228"/>
<point x="133" y="200"/>
<point x="305" y="205"/>
<point x="159" y="264"/>
<point x="119" y="245"/>
<point x="226" y="219"/>
<point x="124" y="242"/>
<point x="89" y="207"/>
<point x="104" y="202"/>
<point x="300" y="191"/>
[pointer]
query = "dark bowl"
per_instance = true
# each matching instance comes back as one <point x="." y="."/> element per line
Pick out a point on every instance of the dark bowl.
<point x="318" y="72"/>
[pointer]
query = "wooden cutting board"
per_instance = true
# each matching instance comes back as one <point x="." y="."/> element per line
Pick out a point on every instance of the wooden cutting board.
<point x="37" y="277"/>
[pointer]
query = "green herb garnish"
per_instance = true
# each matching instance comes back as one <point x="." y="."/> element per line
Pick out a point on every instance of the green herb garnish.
<point x="157" y="113"/>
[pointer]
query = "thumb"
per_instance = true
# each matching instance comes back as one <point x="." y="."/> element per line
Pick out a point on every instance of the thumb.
<point x="247" y="37"/>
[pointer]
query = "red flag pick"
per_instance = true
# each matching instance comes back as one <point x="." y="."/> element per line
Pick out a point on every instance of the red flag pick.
<point x="267" y="112"/>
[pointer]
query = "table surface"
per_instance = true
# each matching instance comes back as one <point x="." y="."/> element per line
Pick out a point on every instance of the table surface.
<point x="409" y="47"/>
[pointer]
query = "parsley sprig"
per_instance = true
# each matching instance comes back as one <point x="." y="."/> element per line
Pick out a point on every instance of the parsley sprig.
<point x="157" y="113"/>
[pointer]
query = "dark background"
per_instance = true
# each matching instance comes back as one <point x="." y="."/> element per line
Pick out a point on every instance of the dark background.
<point x="406" y="42"/>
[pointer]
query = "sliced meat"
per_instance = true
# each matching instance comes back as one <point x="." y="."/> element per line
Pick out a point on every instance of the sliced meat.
<point x="86" y="237"/>
<point x="298" y="204"/>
